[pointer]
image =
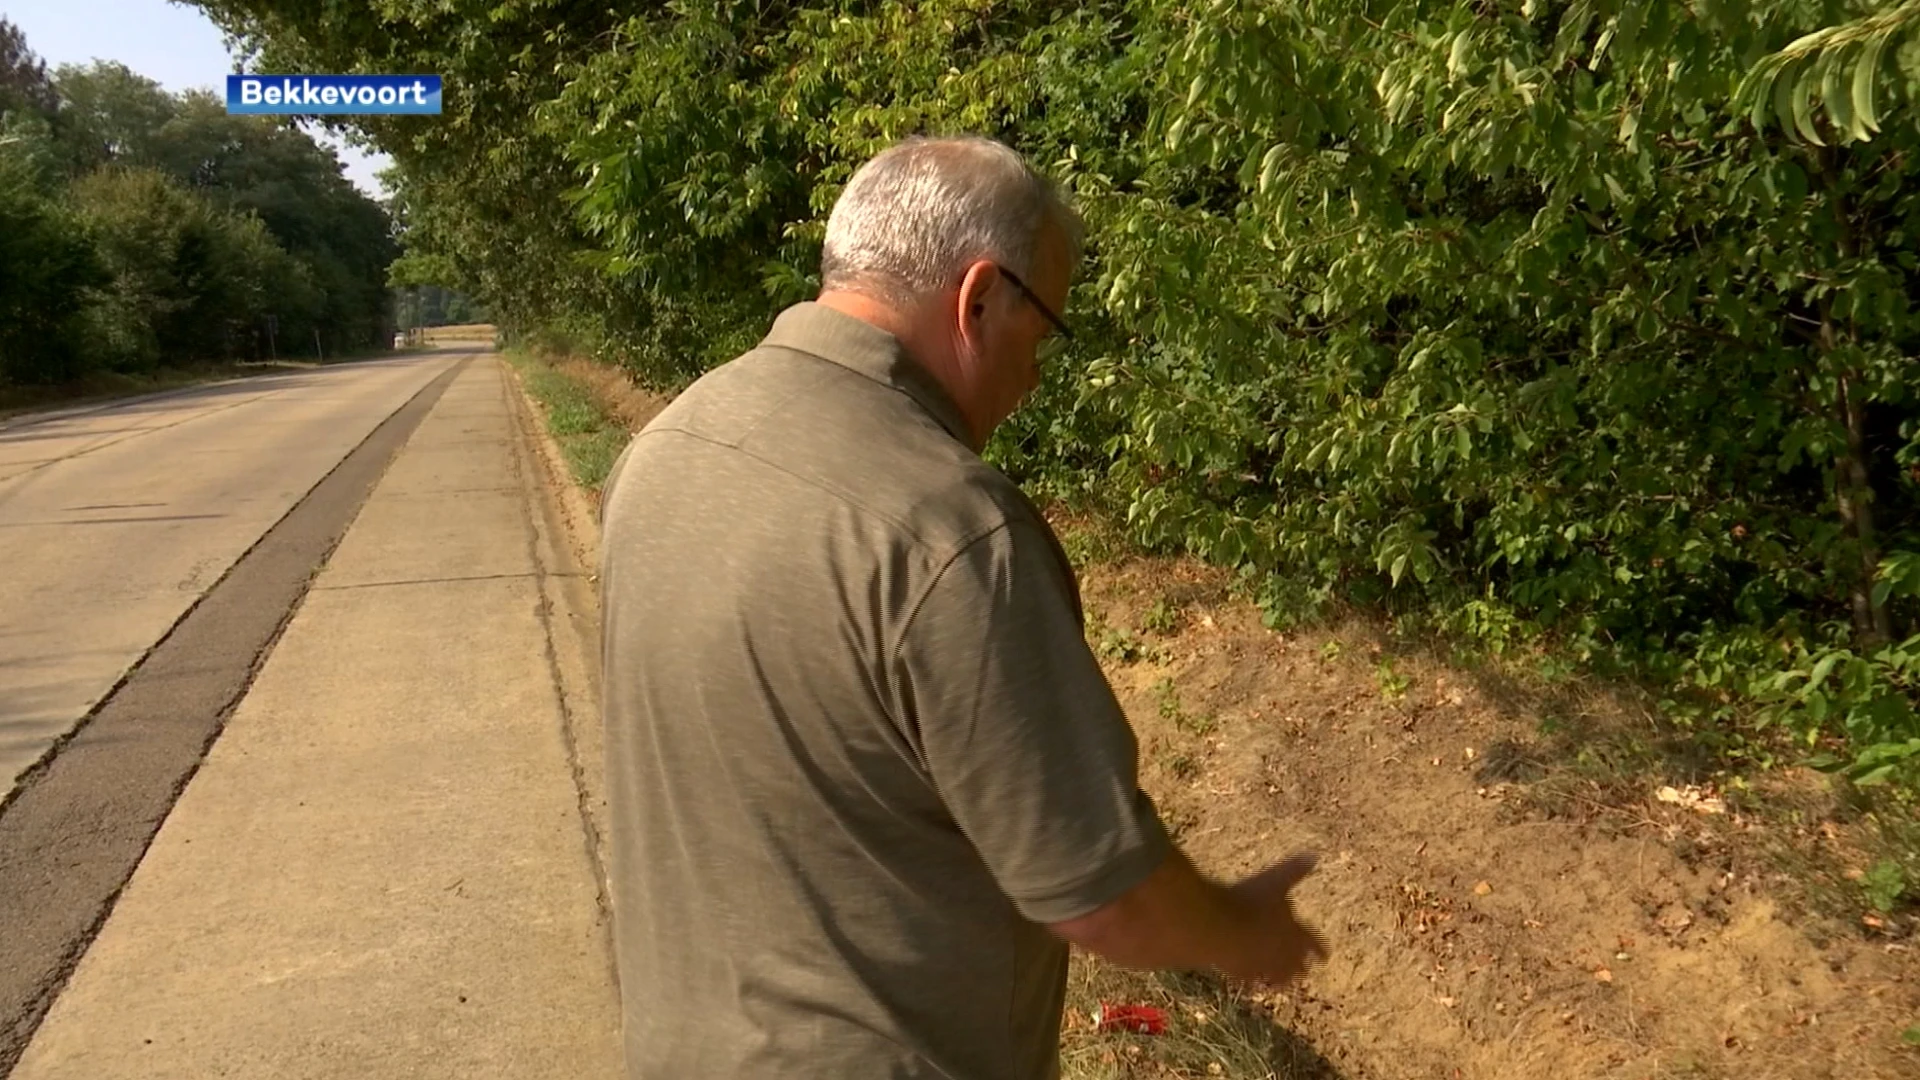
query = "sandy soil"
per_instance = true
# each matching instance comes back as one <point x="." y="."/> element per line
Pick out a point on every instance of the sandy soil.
<point x="1485" y="921"/>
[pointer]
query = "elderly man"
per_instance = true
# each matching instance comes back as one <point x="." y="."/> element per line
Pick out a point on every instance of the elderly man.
<point x="866" y="779"/>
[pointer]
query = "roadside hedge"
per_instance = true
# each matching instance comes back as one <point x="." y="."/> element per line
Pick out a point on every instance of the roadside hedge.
<point x="1586" y="324"/>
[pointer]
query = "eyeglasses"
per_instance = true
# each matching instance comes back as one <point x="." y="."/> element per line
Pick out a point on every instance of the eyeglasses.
<point x="1034" y="299"/>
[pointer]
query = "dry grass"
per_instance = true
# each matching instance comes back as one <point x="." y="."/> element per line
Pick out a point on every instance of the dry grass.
<point x="1213" y="1030"/>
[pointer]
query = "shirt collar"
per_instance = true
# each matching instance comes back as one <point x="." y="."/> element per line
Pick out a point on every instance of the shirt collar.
<point x="863" y="348"/>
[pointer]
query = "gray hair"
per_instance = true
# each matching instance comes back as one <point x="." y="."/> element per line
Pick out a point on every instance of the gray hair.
<point x="916" y="216"/>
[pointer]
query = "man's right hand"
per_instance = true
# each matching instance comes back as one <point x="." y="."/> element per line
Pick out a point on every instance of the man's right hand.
<point x="1176" y="918"/>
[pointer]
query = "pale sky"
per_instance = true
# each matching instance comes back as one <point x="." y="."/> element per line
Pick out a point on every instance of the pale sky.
<point x="173" y="44"/>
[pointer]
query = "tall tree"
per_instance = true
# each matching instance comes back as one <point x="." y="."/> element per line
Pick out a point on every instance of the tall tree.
<point x="24" y="83"/>
<point x="109" y="113"/>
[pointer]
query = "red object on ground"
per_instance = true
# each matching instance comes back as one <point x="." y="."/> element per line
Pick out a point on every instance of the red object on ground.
<point x="1139" y="1019"/>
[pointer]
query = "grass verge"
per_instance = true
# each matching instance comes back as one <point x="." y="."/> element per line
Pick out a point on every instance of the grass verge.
<point x="590" y="437"/>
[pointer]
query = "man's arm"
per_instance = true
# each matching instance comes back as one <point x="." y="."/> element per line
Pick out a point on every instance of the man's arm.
<point x="1033" y="756"/>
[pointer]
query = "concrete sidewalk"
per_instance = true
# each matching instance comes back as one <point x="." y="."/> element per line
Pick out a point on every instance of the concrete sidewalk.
<point x="383" y="868"/>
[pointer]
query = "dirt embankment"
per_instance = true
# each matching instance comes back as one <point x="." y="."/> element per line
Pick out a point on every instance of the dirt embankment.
<point x="1484" y="921"/>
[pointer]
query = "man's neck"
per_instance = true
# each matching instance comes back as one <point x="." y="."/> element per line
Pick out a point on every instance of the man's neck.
<point x="868" y="309"/>
<point x="934" y="360"/>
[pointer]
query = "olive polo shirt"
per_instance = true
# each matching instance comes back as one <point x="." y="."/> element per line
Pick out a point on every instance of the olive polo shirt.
<point x="857" y="747"/>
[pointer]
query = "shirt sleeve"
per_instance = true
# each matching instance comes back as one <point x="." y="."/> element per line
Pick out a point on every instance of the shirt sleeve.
<point x="1022" y="735"/>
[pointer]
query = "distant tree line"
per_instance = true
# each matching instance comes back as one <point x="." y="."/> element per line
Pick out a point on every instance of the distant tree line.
<point x="141" y="229"/>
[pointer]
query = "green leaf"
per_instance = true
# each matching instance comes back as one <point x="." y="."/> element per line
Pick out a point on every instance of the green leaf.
<point x="1875" y="777"/>
<point x="1839" y="105"/>
<point x="1785" y="78"/>
<point x="1822" y="669"/>
<point x="1199" y="87"/>
<point x="1318" y="453"/>
<point x="1866" y="78"/>
<point x="1457" y="56"/>
<point x="1270" y="166"/>
<point x="1761" y="102"/>
<point x="1802" y="98"/>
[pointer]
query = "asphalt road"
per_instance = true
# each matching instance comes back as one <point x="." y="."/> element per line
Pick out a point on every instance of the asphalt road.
<point x="116" y="521"/>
